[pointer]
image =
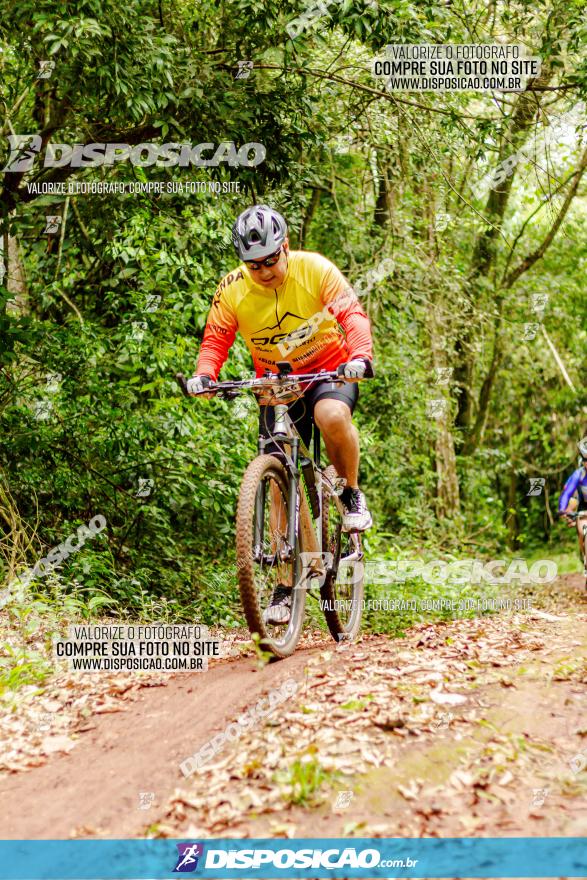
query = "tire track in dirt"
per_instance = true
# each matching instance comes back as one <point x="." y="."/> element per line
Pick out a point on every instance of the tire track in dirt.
<point x="94" y="790"/>
<point x="463" y="727"/>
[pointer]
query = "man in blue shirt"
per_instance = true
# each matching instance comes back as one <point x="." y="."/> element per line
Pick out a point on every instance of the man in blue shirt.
<point x="577" y="483"/>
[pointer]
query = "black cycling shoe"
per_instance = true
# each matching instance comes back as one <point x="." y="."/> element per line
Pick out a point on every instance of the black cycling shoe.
<point x="278" y="612"/>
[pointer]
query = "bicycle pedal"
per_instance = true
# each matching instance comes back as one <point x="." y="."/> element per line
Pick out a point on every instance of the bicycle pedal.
<point x="352" y="557"/>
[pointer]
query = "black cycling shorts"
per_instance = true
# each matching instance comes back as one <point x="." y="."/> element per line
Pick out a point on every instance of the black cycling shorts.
<point x="301" y="411"/>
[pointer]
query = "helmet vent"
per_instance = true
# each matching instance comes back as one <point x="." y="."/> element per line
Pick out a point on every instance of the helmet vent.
<point x="258" y="232"/>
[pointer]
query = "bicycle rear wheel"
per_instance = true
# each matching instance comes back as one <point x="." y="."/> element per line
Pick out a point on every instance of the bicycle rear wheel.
<point x="264" y="558"/>
<point x="342" y="590"/>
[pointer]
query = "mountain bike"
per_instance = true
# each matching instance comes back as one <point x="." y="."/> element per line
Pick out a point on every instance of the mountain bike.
<point x="289" y="520"/>
<point x="581" y="514"/>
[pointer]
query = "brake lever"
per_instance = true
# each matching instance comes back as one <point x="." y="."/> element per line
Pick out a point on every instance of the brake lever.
<point x="181" y="381"/>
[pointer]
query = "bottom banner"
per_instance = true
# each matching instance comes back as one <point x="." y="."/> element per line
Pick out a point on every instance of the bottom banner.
<point x="309" y="858"/>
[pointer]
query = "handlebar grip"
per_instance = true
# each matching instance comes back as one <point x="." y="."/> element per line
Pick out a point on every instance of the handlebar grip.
<point x="181" y="381"/>
<point x="369" y="373"/>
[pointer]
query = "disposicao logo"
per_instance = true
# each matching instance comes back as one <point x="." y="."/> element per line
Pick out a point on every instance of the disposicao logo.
<point x="187" y="859"/>
<point x="331" y="859"/>
<point x="24" y="149"/>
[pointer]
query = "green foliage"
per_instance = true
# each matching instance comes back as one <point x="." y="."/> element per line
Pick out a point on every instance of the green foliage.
<point x="303" y="780"/>
<point x="116" y="304"/>
<point x="33" y="618"/>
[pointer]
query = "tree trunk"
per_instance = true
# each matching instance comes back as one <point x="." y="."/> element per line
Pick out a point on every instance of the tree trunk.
<point x="384" y="202"/>
<point x="308" y="217"/>
<point x="512" y="516"/>
<point x="15" y="277"/>
<point x="448" y="504"/>
<point x="485" y="249"/>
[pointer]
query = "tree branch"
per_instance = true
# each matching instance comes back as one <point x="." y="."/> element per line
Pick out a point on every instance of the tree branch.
<point x="532" y="258"/>
<point x="529" y="217"/>
<point x="355" y="85"/>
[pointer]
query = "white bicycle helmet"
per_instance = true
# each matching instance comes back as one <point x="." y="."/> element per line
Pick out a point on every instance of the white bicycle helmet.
<point x="582" y="447"/>
<point x="258" y="232"/>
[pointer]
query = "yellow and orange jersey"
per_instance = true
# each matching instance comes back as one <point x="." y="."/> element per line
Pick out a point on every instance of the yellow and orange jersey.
<point x="314" y="320"/>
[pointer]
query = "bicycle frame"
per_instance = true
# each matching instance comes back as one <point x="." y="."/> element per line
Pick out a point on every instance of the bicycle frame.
<point x="285" y="433"/>
<point x="292" y="527"/>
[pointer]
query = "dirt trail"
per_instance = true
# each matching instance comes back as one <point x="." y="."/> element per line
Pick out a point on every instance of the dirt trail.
<point x="94" y="790"/>
<point x="463" y="728"/>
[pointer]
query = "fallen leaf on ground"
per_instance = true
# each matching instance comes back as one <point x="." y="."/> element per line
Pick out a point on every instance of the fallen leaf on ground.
<point x="57" y="744"/>
<point x="444" y="699"/>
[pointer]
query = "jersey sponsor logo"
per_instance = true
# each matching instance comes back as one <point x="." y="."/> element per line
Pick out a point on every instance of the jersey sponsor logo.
<point x="268" y="336"/>
<point x="230" y="279"/>
<point x="226" y="282"/>
<point x="300" y="334"/>
<point x="216" y="328"/>
<point x="267" y="340"/>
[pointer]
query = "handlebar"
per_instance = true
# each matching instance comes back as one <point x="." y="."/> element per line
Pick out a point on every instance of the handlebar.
<point x="281" y="381"/>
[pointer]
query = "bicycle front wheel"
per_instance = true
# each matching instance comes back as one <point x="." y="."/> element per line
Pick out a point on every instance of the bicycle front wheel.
<point x="265" y="560"/>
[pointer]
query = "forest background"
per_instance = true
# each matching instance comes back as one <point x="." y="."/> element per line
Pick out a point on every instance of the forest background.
<point x="471" y="265"/>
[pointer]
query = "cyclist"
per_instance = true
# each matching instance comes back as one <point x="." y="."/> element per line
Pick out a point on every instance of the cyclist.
<point x="577" y="482"/>
<point x="297" y="303"/>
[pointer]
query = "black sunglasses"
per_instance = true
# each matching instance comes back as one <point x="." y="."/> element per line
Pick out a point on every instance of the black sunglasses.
<point x="269" y="261"/>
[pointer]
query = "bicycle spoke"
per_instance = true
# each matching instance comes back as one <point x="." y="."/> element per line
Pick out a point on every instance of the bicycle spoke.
<point x="268" y="562"/>
<point x="342" y="590"/>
